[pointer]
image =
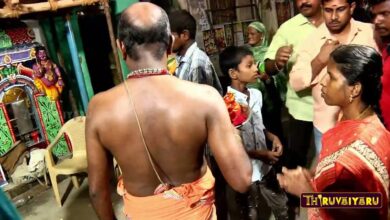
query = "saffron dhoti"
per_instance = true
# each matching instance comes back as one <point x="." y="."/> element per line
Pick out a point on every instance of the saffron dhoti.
<point x="188" y="201"/>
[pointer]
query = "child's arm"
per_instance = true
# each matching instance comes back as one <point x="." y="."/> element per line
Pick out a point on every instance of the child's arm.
<point x="266" y="156"/>
<point x="276" y="143"/>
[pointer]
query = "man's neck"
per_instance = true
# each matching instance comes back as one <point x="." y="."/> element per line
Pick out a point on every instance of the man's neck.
<point x="316" y="19"/>
<point x="146" y="61"/>
<point x="342" y="36"/>
<point x="183" y="51"/>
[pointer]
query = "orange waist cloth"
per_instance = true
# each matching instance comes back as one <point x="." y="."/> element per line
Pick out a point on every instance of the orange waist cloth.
<point x="188" y="201"/>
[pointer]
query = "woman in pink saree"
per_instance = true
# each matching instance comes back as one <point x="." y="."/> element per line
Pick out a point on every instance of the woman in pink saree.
<point x="356" y="153"/>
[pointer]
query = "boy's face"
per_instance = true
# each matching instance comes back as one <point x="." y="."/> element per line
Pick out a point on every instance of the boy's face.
<point x="177" y="43"/>
<point x="180" y="40"/>
<point x="247" y="70"/>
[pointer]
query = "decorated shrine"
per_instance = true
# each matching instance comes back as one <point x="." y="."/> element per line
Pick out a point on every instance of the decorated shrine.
<point x="30" y="88"/>
<point x="47" y="50"/>
<point x="32" y="80"/>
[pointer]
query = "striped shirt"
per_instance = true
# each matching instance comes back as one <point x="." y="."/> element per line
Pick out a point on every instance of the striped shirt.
<point x="195" y="66"/>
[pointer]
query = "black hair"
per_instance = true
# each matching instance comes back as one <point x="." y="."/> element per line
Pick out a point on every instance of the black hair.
<point x="182" y="20"/>
<point x="374" y="2"/>
<point x="133" y="35"/>
<point x="231" y="57"/>
<point x="348" y="1"/>
<point x="361" y="64"/>
<point x="40" y="48"/>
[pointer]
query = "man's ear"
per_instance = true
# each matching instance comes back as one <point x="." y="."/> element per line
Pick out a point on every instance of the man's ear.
<point x="170" y="45"/>
<point x="353" y="6"/>
<point x="122" y="48"/>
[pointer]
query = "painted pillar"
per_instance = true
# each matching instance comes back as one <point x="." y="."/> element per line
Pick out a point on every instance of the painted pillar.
<point x="81" y="55"/>
<point x="54" y="30"/>
<point x="76" y="64"/>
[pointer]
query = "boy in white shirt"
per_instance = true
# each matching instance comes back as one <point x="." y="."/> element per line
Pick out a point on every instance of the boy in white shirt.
<point x="238" y="63"/>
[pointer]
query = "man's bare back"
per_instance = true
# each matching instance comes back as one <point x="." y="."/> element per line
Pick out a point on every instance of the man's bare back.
<point x="172" y="114"/>
<point x="177" y="118"/>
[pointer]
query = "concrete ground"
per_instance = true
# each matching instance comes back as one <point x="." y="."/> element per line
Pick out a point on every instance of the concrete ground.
<point x="43" y="206"/>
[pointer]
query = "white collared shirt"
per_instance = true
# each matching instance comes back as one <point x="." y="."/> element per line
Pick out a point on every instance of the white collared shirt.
<point x="252" y="132"/>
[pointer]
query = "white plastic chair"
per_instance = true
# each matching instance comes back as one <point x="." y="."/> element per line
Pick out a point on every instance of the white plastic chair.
<point x="75" y="130"/>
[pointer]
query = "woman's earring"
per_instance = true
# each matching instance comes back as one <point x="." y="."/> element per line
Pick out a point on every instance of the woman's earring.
<point x="350" y="99"/>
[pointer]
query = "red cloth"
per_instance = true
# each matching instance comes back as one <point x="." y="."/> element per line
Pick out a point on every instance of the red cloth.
<point x="19" y="35"/>
<point x="385" y="98"/>
<point x="355" y="157"/>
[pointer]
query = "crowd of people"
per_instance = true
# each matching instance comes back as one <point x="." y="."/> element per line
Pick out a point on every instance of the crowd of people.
<point x="180" y="154"/>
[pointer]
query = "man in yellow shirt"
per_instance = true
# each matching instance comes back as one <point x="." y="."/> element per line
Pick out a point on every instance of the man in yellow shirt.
<point x="280" y="57"/>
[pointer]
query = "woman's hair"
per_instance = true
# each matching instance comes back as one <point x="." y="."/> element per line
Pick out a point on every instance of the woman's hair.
<point x="361" y="64"/>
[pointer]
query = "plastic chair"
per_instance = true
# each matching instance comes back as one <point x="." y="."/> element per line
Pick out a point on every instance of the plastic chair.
<point x="75" y="130"/>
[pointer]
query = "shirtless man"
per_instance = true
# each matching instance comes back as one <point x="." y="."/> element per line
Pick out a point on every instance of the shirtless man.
<point x="177" y="119"/>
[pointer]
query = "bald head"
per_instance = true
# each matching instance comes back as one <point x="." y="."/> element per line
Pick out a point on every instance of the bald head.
<point x="144" y="24"/>
<point x="143" y="14"/>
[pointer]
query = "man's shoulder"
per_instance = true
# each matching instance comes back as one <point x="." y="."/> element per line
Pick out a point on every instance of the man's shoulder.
<point x="200" y="61"/>
<point x="363" y="25"/>
<point x="199" y="51"/>
<point x="98" y="110"/>
<point x="321" y="32"/>
<point x="366" y="28"/>
<point x="293" y="22"/>
<point x="203" y="91"/>
<point x="200" y="57"/>
<point x="104" y="99"/>
<point x="293" y="31"/>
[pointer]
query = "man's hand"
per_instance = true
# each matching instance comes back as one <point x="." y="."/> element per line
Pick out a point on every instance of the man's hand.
<point x="282" y="56"/>
<point x="277" y="146"/>
<point x="326" y="49"/>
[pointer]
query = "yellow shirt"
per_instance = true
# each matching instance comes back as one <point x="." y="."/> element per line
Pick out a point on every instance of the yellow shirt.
<point x="293" y="32"/>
